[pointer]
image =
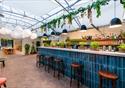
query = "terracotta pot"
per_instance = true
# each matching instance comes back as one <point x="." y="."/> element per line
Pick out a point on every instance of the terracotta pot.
<point x="69" y="47"/>
<point x="95" y="49"/>
<point x="121" y="50"/>
<point x="82" y="47"/>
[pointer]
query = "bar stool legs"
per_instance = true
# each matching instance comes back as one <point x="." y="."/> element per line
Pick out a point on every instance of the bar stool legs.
<point x="111" y="76"/>
<point x="59" y="67"/>
<point x="76" y="73"/>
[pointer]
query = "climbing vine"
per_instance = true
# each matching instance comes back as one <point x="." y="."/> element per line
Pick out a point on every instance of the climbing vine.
<point x="95" y="5"/>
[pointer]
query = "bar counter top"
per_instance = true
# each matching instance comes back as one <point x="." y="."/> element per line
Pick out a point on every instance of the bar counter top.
<point x="119" y="54"/>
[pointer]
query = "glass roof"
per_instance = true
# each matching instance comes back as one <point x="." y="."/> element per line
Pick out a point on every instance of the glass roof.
<point x="32" y="14"/>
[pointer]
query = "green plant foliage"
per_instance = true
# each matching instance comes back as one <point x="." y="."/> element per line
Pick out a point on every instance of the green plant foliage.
<point x="82" y="43"/>
<point x="94" y="45"/>
<point x="69" y="17"/>
<point x="61" y="44"/>
<point x="96" y="5"/>
<point x="27" y="48"/>
<point x="53" y="44"/>
<point x="46" y="44"/>
<point x="33" y="49"/>
<point x="59" y="20"/>
<point x="121" y="46"/>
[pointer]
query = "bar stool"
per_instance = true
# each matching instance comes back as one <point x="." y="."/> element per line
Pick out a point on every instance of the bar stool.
<point x="59" y="67"/>
<point x="3" y="82"/>
<point x="39" y="60"/>
<point x="111" y="76"/>
<point x="76" y="73"/>
<point x="48" y="61"/>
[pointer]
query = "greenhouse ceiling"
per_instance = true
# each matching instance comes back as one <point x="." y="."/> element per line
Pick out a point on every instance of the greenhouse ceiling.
<point x="31" y="14"/>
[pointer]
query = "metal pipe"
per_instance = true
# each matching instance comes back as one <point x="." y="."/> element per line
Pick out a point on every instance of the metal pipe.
<point x="18" y="20"/>
<point x="72" y="10"/>
<point x="67" y="11"/>
<point x="19" y="14"/>
<point x="53" y="14"/>
<point x="13" y="23"/>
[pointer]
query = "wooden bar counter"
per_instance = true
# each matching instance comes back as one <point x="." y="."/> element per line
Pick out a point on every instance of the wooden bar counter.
<point x="92" y="62"/>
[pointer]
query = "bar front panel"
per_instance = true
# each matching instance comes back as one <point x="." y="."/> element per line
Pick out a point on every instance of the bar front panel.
<point x="91" y="63"/>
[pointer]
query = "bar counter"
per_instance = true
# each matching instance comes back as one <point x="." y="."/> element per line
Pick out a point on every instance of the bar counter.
<point x="92" y="62"/>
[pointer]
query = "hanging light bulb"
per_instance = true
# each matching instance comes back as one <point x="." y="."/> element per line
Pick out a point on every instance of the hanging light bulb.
<point x="33" y="36"/>
<point x="17" y="33"/>
<point x="3" y="31"/>
<point x="27" y="32"/>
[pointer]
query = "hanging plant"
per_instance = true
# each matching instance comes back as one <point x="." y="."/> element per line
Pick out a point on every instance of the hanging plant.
<point x="59" y="22"/>
<point x="124" y="5"/>
<point x="70" y="18"/>
<point x="49" y="26"/>
<point x="90" y="13"/>
<point x="97" y="7"/>
<point x="81" y="10"/>
<point x="54" y="23"/>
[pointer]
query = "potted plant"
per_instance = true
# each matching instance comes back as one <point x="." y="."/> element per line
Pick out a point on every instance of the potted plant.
<point x="123" y="35"/>
<point x="46" y="44"/>
<point x="27" y="48"/>
<point x="121" y="47"/>
<point x="33" y="49"/>
<point x="62" y="45"/>
<point x="94" y="45"/>
<point x="53" y="44"/>
<point x="82" y="45"/>
<point x="68" y="45"/>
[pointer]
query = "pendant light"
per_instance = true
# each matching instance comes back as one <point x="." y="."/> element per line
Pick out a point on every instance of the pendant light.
<point x="115" y="22"/>
<point x="64" y="32"/>
<point x="83" y="28"/>
<point x="45" y="35"/>
<point x="53" y="33"/>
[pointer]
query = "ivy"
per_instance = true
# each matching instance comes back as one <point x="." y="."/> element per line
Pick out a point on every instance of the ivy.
<point x="95" y="5"/>
<point x="59" y="20"/>
<point x="69" y="17"/>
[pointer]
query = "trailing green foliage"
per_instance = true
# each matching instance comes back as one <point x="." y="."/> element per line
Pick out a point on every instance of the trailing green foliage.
<point x="95" y="5"/>
<point x="33" y="49"/>
<point x="27" y="48"/>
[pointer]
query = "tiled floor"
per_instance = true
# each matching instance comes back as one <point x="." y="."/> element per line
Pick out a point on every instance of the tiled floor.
<point x="21" y="72"/>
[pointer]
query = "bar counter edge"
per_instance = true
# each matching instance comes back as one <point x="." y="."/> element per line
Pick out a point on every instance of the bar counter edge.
<point x="92" y="62"/>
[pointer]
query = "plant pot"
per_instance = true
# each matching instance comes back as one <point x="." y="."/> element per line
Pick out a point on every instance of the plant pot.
<point x="95" y="49"/>
<point x="121" y="50"/>
<point x="82" y="47"/>
<point x="69" y="47"/>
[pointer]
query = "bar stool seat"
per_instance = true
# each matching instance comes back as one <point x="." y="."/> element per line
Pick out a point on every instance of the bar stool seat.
<point x="75" y="65"/>
<point x="108" y="75"/>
